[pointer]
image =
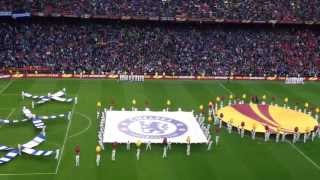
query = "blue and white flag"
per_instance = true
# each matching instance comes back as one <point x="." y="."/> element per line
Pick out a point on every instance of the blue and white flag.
<point x="35" y="152"/>
<point x="35" y="141"/>
<point x="5" y="148"/>
<point x="9" y="156"/>
<point x="6" y="121"/>
<point x="28" y="114"/>
<point x="58" y="96"/>
<point x="38" y="123"/>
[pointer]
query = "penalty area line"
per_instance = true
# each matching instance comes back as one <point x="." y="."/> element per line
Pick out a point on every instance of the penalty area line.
<point x="12" y="111"/>
<point x="304" y="155"/>
<point x="225" y="88"/>
<point x="6" y="87"/>
<point x="65" y="139"/>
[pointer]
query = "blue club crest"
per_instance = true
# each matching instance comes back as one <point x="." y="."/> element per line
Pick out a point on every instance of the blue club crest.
<point x="152" y="127"/>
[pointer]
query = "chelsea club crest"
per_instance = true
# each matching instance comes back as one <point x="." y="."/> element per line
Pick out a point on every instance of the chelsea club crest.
<point x="152" y="127"/>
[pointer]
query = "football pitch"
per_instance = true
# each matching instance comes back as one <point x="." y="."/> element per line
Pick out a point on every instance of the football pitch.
<point x="233" y="158"/>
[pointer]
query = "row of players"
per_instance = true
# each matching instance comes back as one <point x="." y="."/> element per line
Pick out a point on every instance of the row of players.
<point x="135" y="78"/>
<point x="167" y="145"/>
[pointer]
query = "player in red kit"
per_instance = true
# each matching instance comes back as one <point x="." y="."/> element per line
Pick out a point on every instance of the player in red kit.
<point x="77" y="152"/>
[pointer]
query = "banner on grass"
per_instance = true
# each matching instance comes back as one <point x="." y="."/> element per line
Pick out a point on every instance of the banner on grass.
<point x="153" y="126"/>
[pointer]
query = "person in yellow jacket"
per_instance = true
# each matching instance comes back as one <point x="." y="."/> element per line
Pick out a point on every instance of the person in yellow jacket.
<point x="98" y="158"/>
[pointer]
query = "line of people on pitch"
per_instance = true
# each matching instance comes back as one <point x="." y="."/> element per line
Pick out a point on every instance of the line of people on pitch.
<point x="167" y="145"/>
<point x="278" y="133"/>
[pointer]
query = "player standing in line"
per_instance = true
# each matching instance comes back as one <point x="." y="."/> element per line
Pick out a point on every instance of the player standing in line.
<point x="266" y="134"/>
<point x="306" y="135"/>
<point x="253" y="132"/>
<point x="169" y="144"/>
<point x="57" y="154"/>
<point x="220" y="122"/>
<point x="209" y="145"/>
<point x="188" y="145"/>
<point x="295" y="135"/>
<point x="165" y="144"/>
<point x="19" y="149"/>
<point x="277" y="135"/>
<point x="239" y="129"/>
<point x="229" y="126"/>
<point x="128" y="145"/>
<point x="98" y="157"/>
<point x="148" y="147"/>
<point x="283" y="136"/>
<point x="138" y="144"/>
<point x="77" y="152"/>
<point x="242" y="129"/>
<point x="44" y="131"/>
<point x="113" y="155"/>
<point x="314" y="134"/>
<point x="217" y="129"/>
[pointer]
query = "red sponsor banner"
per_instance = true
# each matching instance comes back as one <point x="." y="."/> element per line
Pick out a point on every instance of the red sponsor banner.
<point x="67" y="75"/>
<point x="42" y="75"/>
<point x="154" y="77"/>
<point x="17" y="75"/>
<point x="186" y="77"/>
<point x="312" y="79"/>
<point x="113" y="76"/>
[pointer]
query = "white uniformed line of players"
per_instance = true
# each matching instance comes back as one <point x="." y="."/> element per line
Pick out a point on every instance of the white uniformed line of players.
<point x="132" y="78"/>
<point x="294" y="80"/>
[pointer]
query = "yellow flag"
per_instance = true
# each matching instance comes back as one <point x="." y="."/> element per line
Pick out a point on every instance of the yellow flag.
<point x="168" y="102"/>
<point x="98" y="104"/>
<point x="231" y="96"/>
<point x="201" y="107"/>
<point x="264" y="97"/>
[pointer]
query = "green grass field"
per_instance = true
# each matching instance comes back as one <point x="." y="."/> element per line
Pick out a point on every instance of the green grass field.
<point x="234" y="158"/>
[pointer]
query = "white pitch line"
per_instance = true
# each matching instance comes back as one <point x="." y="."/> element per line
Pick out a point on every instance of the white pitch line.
<point x="225" y="88"/>
<point x="304" y="155"/>
<point x="6" y="87"/>
<point x="84" y="130"/>
<point x="10" y="114"/>
<point x="65" y="139"/>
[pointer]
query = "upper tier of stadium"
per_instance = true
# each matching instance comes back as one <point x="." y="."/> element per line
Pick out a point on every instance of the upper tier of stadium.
<point x="283" y="11"/>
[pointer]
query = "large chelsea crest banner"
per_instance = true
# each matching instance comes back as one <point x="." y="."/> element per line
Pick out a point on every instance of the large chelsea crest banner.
<point x="151" y="126"/>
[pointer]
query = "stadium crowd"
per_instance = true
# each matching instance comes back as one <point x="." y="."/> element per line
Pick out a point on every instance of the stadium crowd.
<point x="258" y="10"/>
<point x="182" y="49"/>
